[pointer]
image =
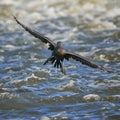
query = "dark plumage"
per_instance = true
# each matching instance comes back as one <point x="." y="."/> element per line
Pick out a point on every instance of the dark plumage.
<point x="58" y="53"/>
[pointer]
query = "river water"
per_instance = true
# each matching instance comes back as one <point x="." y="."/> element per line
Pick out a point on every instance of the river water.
<point x="31" y="91"/>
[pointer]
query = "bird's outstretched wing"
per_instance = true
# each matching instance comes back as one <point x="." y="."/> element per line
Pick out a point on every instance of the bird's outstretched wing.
<point x="77" y="57"/>
<point x="37" y="35"/>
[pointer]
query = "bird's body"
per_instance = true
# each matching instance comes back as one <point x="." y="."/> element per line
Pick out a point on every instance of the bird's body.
<point x="58" y="53"/>
<point x="57" y="57"/>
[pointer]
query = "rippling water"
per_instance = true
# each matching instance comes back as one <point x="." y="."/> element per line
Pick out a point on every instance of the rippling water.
<point x="30" y="90"/>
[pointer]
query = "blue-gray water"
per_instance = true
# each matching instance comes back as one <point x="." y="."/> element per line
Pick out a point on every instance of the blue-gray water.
<point x="31" y="91"/>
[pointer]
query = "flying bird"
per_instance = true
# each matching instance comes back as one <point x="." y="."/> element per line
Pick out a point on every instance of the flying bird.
<point x="58" y="53"/>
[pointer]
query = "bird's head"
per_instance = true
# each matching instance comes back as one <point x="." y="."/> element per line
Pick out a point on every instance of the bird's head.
<point x="59" y="44"/>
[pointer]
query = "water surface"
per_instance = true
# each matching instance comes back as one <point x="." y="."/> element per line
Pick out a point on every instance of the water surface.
<point x="31" y="91"/>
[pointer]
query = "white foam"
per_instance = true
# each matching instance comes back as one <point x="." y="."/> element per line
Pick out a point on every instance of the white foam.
<point x="44" y="118"/>
<point x="91" y="97"/>
<point x="7" y="95"/>
<point x="68" y="85"/>
<point x="27" y="79"/>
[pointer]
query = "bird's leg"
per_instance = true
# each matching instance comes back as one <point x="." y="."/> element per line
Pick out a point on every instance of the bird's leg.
<point x="62" y="68"/>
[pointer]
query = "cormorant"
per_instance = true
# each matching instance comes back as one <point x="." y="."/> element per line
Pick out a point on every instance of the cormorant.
<point x="58" y="53"/>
